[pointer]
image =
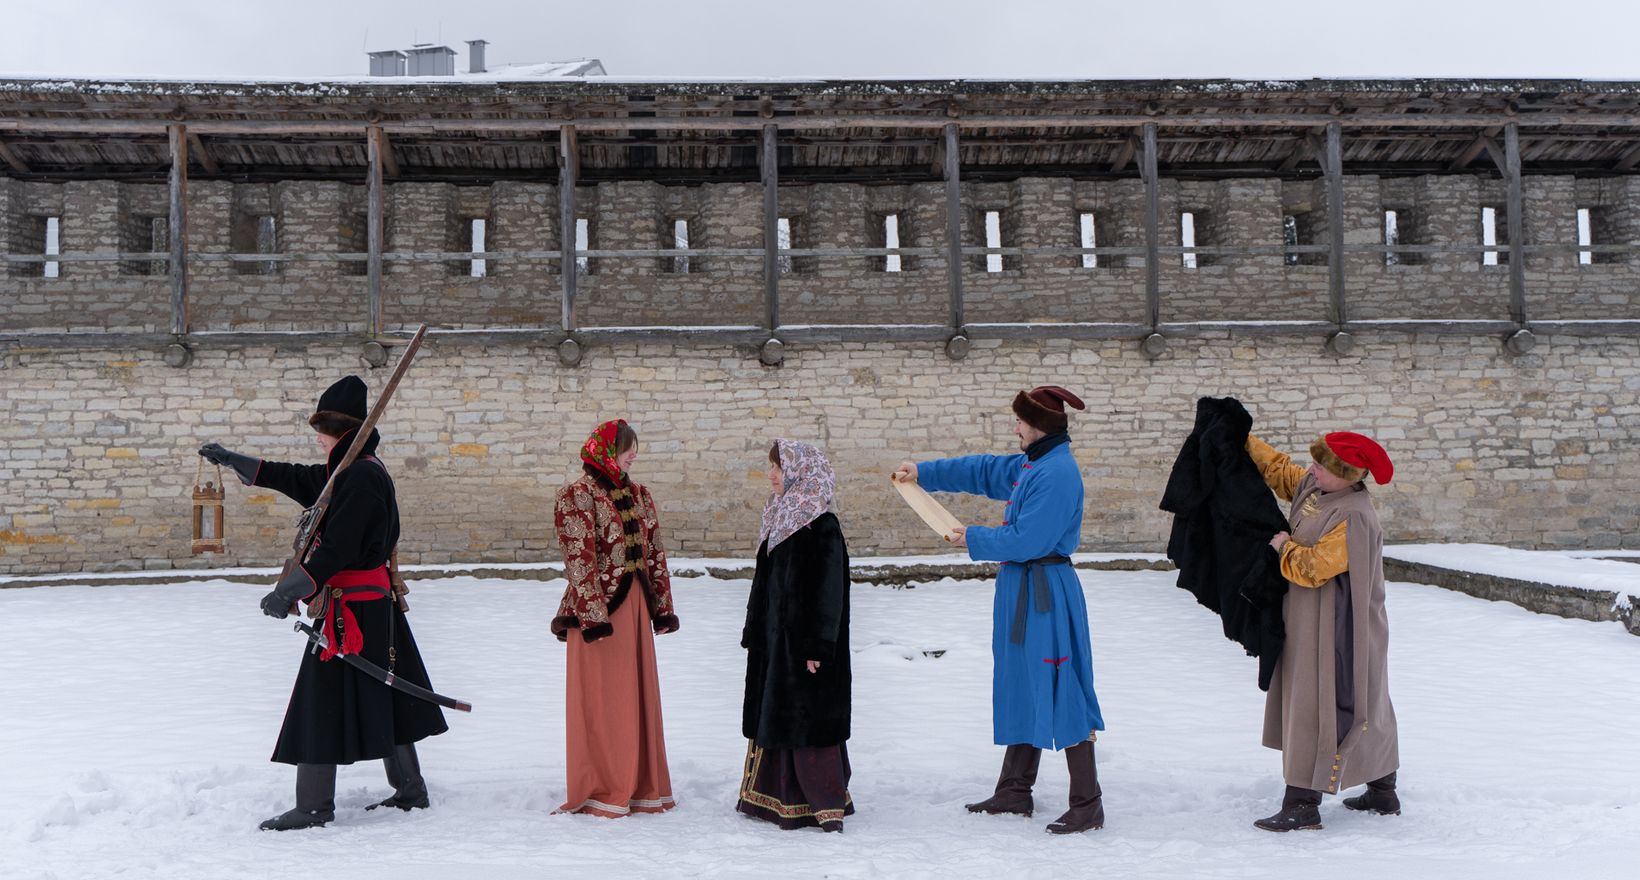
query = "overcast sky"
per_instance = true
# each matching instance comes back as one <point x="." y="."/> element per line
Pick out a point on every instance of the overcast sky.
<point x="1262" y="39"/>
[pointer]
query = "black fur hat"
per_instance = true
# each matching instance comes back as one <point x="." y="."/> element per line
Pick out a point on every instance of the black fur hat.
<point x="341" y="408"/>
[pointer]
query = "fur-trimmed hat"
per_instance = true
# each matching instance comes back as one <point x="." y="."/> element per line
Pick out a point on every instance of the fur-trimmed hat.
<point x="1043" y="407"/>
<point x="1352" y="456"/>
<point x="341" y="408"/>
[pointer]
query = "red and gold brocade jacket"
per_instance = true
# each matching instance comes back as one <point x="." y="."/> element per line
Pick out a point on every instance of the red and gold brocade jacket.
<point x="590" y="533"/>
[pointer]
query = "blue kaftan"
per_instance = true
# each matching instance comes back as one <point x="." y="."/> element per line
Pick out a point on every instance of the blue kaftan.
<point x="1041" y="690"/>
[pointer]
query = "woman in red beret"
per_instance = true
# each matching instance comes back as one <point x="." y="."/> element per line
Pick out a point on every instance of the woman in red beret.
<point x="1328" y="708"/>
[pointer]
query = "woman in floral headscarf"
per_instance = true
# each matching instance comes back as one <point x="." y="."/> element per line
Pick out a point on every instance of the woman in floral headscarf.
<point x="616" y="751"/>
<point x="796" y="714"/>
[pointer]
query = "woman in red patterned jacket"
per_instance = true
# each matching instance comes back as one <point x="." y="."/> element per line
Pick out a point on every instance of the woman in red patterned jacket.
<point x="607" y="524"/>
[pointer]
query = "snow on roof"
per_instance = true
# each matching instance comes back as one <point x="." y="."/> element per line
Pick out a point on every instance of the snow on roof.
<point x="584" y="70"/>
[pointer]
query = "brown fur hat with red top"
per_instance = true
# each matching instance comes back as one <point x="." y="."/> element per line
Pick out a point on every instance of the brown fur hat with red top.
<point x="1043" y="408"/>
<point x="1351" y="456"/>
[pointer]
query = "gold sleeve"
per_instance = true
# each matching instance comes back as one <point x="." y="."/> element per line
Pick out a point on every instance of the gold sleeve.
<point x="1314" y="566"/>
<point x="1278" y="470"/>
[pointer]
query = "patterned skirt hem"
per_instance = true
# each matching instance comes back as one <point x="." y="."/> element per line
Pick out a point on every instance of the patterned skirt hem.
<point x="592" y="807"/>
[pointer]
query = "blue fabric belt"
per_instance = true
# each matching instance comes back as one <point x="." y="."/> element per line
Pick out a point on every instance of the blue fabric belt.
<point x="1034" y="574"/>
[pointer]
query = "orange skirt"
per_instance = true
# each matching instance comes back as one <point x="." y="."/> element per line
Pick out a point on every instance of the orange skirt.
<point x="616" y="750"/>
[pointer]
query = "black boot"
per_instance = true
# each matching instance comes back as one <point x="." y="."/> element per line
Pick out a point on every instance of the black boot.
<point x="1300" y="811"/>
<point x="1013" y="794"/>
<point x="404" y="774"/>
<point x="1379" y="798"/>
<point x="315" y="800"/>
<point x="1087" y="812"/>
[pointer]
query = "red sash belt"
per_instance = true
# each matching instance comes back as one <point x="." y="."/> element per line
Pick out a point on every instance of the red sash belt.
<point x="347" y="587"/>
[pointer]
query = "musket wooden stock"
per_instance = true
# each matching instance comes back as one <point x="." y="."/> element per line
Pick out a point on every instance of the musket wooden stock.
<point x="308" y="527"/>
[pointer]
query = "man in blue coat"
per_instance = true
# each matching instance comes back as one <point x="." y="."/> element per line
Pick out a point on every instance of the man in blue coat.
<point x="1042" y="681"/>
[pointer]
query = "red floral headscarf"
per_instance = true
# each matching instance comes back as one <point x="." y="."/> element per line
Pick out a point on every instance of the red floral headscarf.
<point x="599" y="451"/>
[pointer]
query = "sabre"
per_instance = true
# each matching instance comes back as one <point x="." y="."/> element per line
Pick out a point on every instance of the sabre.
<point x="377" y="673"/>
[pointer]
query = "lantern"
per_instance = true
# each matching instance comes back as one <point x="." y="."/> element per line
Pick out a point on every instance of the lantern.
<point x="208" y="513"/>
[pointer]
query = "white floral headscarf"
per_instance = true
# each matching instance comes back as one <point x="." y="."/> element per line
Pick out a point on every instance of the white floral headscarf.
<point x="810" y="483"/>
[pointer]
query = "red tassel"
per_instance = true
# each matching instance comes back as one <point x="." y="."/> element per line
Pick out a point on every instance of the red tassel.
<point x="352" y="641"/>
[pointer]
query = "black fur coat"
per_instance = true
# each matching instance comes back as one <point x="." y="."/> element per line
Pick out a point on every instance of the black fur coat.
<point x="798" y="611"/>
<point x="1223" y="519"/>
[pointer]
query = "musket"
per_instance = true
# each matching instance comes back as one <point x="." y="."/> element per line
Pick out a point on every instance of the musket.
<point x="307" y="527"/>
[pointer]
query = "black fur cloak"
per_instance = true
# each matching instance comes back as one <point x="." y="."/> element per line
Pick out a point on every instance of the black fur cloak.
<point x="1223" y="518"/>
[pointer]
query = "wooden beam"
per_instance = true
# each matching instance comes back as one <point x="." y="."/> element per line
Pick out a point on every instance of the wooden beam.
<point x="1153" y="212"/>
<point x="769" y="163"/>
<point x="12" y="160"/>
<point x="390" y="163"/>
<point x="1496" y="154"/>
<point x="569" y="170"/>
<point x="953" y="227"/>
<point x="1629" y="160"/>
<point x="1125" y="154"/>
<point x="1334" y="167"/>
<point x="821" y="122"/>
<point x="376" y="198"/>
<point x="1305" y="148"/>
<point x="1473" y="151"/>
<point x="1517" y="226"/>
<point x="198" y="153"/>
<point x="177" y="229"/>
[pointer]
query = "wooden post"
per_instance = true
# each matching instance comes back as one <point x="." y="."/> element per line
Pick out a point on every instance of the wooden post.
<point x="953" y="225"/>
<point x="569" y="169"/>
<point x="178" y="229"/>
<point x="1335" y="222"/>
<point x="1517" y="259"/>
<point x="769" y="161"/>
<point x="1153" y="219"/>
<point x="376" y="196"/>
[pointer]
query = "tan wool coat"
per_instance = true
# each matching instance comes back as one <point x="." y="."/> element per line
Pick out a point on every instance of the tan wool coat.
<point x="1332" y="734"/>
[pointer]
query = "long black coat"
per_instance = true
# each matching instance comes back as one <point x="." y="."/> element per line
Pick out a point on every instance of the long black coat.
<point x="1223" y="518"/>
<point x="336" y="714"/>
<point x="798" y="611"/>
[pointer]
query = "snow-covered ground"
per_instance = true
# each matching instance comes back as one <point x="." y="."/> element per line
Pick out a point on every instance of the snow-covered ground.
<point x="1574" y="568"/>
<point x="137" y="721"/>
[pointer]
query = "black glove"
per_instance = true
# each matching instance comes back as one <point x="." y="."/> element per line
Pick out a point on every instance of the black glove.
<point x="243" y="466"/>
<point x="291" y="589"/>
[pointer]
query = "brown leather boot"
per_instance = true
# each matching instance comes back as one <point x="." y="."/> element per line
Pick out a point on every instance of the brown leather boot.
<point x="1379" y="798"/>
<point x="1013" y="794"/>
<point x="1087" y="812"/>
<point x="1300" y="811"/>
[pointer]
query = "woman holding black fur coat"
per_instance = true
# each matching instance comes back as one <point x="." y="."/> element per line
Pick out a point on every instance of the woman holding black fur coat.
<point x="796" y="714"/>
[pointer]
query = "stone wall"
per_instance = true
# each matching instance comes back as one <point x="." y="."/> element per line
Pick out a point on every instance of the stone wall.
<point x="328" y="218"/>
<point x="96" y="447"/>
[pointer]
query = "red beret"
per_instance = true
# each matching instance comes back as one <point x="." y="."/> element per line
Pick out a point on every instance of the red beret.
<point x="1358" y="453"/>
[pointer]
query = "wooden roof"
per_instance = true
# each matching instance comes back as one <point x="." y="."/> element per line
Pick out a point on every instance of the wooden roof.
<point x="885" y="131"/>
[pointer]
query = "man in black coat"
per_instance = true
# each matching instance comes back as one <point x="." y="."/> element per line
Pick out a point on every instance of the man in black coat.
<point x="337" y="715"/>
